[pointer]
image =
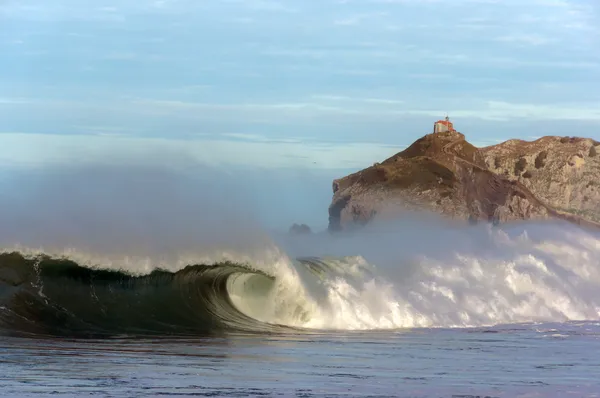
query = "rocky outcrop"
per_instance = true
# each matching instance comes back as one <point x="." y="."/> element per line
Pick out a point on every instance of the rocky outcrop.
<point x="564" y="172"/>
<point x="445" y="174"/>
<point x="300" y="229"/>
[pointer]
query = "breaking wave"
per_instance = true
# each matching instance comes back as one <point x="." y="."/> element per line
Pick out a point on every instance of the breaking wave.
<point x="469" y="277"/>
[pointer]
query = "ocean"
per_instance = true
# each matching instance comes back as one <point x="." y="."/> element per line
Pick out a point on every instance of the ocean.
<point x="116" y="291"/>
<point x="487" y="311"/>
<point x="551" y="360"/>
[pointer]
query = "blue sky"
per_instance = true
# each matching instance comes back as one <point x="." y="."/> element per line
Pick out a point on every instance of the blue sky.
<point x="327" y="86"/>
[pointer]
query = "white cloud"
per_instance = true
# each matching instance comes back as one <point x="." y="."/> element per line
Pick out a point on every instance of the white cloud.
<point x="356" y="72"/>
<point x="359" y="18"/>
<point x="504" y="111"/>
<point x="346" y="22"/>
<point x="250" y="111"/>
<point x="590" y="112"/>
<point x="378" y="72"/>
<point x="16" y="101"/>
<point x="162" y="3"/>
<point x="35" y="150"/>
<point x="262" y="138"/>
<point x="530" y="39"/>
<point x="106" y="130"/>
<point x="487" y="110"/>
<point x="321" y="109"/>
<point x="121" y="56"/>
<point x="343" y="98"/>
<point x="264" y="5"/>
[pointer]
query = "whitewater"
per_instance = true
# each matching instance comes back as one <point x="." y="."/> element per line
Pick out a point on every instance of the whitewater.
<point x="436" y="276"/>
<point x="142" y="284"/>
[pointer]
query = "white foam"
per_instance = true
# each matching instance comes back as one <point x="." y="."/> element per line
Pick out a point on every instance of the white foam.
<point x="538" y="275"/>
<point x="535" y="274"/>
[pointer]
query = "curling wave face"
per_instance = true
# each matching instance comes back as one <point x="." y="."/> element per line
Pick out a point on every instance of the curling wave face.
<point x="44" y="295"/>
<point x="475" y="277"/>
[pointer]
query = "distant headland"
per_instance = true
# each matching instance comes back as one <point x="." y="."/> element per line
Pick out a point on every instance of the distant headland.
<point x="441" y="172"/>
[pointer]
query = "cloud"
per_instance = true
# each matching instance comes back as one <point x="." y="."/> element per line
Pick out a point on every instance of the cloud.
<point x="264" y="71"/>
<point x="249" y="111"/>
<point x="359" y="18"/>
<point x="263" y="5"/>
<point x="343" y="98"/>
<point x="16" y="101"/>
<point x="263" y="138"/>
<point x="487" y="110"/>
<point x="124" y="56"/>
<point x="106" y="130"/>
<point x="530" y="39"/>
<point x="37" y="150"/>
<point x="65" y="10"/>
<point x="503" y="111"/>
<point x="309" y="113"/>
<point x="590" y="112"/>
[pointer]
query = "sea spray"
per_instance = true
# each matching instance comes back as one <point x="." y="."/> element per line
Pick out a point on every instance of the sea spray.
<point x="139" y="250"/>
<point x="525" y="273"/>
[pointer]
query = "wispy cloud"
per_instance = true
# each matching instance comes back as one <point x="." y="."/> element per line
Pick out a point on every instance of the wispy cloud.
<point x="262" y="138"/>
<point x="105" y="130"/>
<point x="42" y="149"/>
<point x="343" y="98"/>
<point x="503" y="111"/>
<point x="531" y="39"/>
<point x="17" y="101"/>
<point x="272" y="108"/>
<point x="359" y="18"/>
<point x="266" y="70"/>
<point x="488" y="110"/>
<point x="263" y="5"/>
<point x="323" y="109"/>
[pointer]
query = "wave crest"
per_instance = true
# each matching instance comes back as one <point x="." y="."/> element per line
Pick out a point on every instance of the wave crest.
<point x="56" y="296"/>
<point x="471" y="277"/>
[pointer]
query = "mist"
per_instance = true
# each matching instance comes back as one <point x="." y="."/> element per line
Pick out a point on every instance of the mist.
<point x="167" y="206"/>
<point x="158" y="204"/>
<point x="398" y="245"/>
<point x="415" y="270"/>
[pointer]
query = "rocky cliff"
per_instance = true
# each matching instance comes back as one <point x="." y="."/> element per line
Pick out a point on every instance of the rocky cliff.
<point x="445" y="174"/>
<point x="564" y="172"/>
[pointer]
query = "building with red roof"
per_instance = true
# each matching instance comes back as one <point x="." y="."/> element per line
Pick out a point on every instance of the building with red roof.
<point x="442" y="126"/>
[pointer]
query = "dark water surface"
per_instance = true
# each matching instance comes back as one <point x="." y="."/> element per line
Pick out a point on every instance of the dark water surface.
<point x="550" y="360"/>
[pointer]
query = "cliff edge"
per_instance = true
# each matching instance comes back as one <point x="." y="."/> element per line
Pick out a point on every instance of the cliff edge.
<point x="445" y="174"/>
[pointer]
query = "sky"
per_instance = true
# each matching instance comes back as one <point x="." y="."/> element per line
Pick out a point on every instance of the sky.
<point x="321" y="87"/>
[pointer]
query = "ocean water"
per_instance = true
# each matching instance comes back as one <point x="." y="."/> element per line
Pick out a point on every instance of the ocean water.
<point x="552" y="360"/>
<point x="497" y="312"/>
<point x="116" y="292"/>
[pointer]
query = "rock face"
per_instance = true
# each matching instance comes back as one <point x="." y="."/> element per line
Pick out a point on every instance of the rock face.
<point x="564" y="172"/>
<point x="445" y="174"/>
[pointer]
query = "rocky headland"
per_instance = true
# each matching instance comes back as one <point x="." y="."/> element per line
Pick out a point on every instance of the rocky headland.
<point x="552" y="177"/>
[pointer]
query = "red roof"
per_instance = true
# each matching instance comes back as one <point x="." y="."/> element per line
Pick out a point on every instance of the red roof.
<point x="444" y="122"/>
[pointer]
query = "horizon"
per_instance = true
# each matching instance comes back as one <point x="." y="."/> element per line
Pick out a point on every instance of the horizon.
<point x="287" y="94"/>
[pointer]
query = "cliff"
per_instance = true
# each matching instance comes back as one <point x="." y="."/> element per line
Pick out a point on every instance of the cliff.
<point x="445" y="174"/>
<point x="564" y="172"/>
